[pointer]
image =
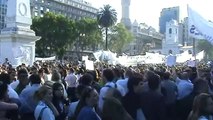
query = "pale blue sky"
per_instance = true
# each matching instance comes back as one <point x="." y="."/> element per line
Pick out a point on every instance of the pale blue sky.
<point x="148" y="11"/>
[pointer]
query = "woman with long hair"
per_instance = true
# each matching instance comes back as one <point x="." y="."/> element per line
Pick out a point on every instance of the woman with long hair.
<point x="202" y="108"/>
<point x="45" y="110"/>
<point x="86" y="106"/>
<point x="59" y="101"/>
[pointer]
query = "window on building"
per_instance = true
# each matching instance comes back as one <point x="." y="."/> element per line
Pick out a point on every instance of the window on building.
<point x="42" y="1"/>
<point x="47" y="10"/>
<point x="170" y="51"/>
<point x="42" y="10"/>
<point x="48" y="3"/>
<point x="170" y="30"/>
<point x="36" y="13"/>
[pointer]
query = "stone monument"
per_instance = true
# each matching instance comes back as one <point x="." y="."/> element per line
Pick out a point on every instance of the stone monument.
<point x="17" y="40"/>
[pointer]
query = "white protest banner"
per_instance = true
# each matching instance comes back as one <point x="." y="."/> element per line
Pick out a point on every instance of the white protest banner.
<point x="84" y="58"/>
<point x="89" y="65"/>
<point x="45" y="59"/>
<point x="200" y="55"/>
<point x="199" y="28"/>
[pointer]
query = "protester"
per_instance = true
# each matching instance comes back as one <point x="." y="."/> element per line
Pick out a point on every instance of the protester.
<point x="148" y="91"/>
<point x="202" y="108"/>
<point x="4" y="105"/>
<point x="59" y="101"/>
<point x="108" y="77"/>
<point x="45" y="110"/>
<point x="28" y="103"/>
<point x="85" y="109"/>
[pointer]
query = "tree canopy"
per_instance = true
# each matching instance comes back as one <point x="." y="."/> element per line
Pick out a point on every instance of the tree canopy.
<point x="207" y="47"/>
<point x="119" y="37"/>
<point x="56" y="32"/>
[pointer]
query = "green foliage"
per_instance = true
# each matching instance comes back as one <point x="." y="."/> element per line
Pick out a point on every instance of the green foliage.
<point x="106" y="18"/>
<point x="58" y="33"/>
<point x="207" y="47"/>
<point x="119" y="37"/>
<point x="89" y="33"/>
<point x="55" y="31"/>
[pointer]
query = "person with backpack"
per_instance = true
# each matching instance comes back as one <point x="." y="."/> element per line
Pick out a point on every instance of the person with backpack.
<point x="108" y="77"/>
<point x="45" y="110"/>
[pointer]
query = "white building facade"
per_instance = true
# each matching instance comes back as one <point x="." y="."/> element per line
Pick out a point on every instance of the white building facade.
<point x="171" y="42"/>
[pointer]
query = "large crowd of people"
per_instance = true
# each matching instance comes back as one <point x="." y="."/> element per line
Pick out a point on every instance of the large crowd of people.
<point x="55" y="91"/>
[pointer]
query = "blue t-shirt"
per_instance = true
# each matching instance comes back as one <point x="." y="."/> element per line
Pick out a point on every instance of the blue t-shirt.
<point x="88" y="113"/>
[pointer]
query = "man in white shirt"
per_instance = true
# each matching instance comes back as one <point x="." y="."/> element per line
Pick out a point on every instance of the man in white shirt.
<point x="27" y="97"/>
<point x="72" y="83"/>
<point x="71" y="79"/>
<point x="108" y="78"/>
<point x="123" y="82"/>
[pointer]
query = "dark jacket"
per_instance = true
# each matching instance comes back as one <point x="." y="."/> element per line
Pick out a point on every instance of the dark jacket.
<point x="131" y="103"/>
<point x="60" y="107"/>
<point x="153" y="105"/>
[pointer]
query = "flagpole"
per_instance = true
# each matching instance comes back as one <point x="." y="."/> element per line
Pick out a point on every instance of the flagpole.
<point x="194" y="51"/>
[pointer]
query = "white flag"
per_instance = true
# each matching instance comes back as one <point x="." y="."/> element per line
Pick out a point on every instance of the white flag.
<point x="200" y="55"/>
<point x="199" y="28"/>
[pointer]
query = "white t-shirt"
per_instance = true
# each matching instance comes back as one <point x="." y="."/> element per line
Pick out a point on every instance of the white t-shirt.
<point x="104" y="90"/>
<point x="12" y="93"/>
<point x="14" y="84"/>
<point x="47" y="112"/>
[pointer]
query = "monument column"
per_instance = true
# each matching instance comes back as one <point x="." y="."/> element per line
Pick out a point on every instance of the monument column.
<point x="17" y="40"/>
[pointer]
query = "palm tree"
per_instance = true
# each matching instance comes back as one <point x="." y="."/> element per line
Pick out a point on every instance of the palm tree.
<point x="107" y="16"/>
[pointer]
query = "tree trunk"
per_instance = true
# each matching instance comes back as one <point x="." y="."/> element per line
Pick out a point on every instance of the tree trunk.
<point x="106" y="38"/>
